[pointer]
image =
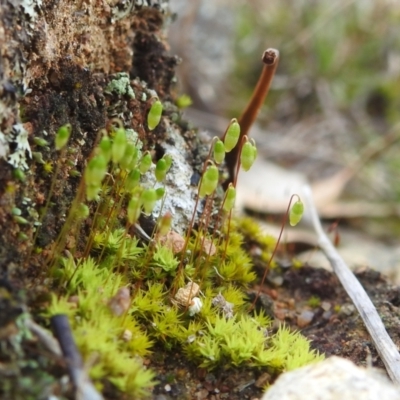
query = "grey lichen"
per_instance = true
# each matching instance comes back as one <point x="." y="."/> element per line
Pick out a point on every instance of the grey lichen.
<point x="180" y="198"/>
<point x="120" y="85"/>
<point x="19" y="136"/>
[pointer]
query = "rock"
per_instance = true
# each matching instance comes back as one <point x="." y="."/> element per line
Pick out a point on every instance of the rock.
<point x="305" y="318"/>
<point x="333" y="379"/>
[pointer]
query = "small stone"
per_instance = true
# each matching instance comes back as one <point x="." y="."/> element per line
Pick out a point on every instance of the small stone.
<point x="280" y="314"/>
<point x="208" y="247"/>
<point x="74" y="300"/>
<point x="185" y="295"/>
<point x="276" y="280"/>
<point x="195" y="306"/>
<point x="167" y="387"/>
<point x="347" y="310"/>
<point x="127" y="335"/>
<point x="305" y="318"/>
<point x="326" y="306"/>
<point x="121" y="302"/>
<point x="201" y="394"/>
<point x="327" y="315"/>
<point x="173" y="241"/>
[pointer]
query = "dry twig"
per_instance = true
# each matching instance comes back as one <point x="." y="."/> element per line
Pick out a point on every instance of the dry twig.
<point x="383" y="343"/>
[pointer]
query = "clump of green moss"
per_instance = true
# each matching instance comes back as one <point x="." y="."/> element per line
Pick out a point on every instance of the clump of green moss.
<point x="123" y="295"/>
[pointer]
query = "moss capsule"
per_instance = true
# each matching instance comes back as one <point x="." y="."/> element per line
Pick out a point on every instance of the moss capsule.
<point x="105" y="147"/>
<point x="148" y="199"/>
<point x="210" y="181"/>
<point x="82" y="211"/>
<point x="40" y="142"/>
<point x="132" y="180"/>
<point x="219" y="151"/>
<point x="230" y="197"/>
<point x="248" y="155"/>
<point x="130" y="156"/>
<point x="296" y="213"/>
<point x="119" y="145"/>
<point x="232" y="135"/>
<point x="161" y="169"/>
<point x="164" y="223"/>
<point x="96" y="170"/>
<point x="92" y="192"/>
<point x="133" y="209"/>
<point x="160" y="192"/>
<point x="19" y="174"/>
<point x="62" y="136"/>
<point x="154" y="115"/>
<point x="145" y="163"/>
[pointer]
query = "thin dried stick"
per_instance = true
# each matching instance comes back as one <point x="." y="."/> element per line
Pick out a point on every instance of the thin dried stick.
<point x="383" y="343"/>
<point x="270" y="59"/>
<point x="85" y="390"/>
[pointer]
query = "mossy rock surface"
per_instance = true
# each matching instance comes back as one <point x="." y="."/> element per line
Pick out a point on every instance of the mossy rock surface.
<point x="61" y="68"/>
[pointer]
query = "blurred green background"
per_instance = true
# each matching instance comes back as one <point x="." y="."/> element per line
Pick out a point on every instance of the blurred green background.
<point x="337" y="87"/>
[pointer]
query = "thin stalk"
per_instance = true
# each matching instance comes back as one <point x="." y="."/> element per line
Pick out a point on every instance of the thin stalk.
<point x="270" y="59"/>
<point x="284" y="220"/>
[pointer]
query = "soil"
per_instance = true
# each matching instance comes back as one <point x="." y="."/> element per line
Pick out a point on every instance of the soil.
<point x="334" y="328"/>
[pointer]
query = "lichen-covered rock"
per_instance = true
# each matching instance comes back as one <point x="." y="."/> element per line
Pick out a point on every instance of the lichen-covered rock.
<point x="85" y="64"/>
<point x="333" y="379"/>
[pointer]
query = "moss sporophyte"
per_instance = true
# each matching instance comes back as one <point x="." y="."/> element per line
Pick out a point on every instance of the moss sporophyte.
<point x="124" y="294"/>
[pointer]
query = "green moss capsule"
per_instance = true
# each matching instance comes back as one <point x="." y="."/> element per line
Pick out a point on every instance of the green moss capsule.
<point x="296" y="213"/>
<point x="82" y="211"/>
<point x="164" y="223"/>
<point x="145" y="163"/>
<point x="105" y="147"/>
<point x="19" y="174"/>
<point x="133" y="209"/>
<point x="119" y="145"/>
<point x="132" y="180"/>
<point x="219" y="151"/>
<point x="154" y="115"/>
<point x="62" y="136"/>
<point x="162" y="168"/>
<point x="92" y="192"/>
<point x="160" y="192"/>
<point x="232" y="135"/>
<point x="130" y="156"/>
<point x="40" y="142"/>
<point x="248" y="155"/>
<point x="168" y="160"/>
<point x="148" y="199"/>
<point x="210" y="181"/>
<point x="20" y="220"/>
<point x="230" y="197"/>
<point x="96" y="170"/>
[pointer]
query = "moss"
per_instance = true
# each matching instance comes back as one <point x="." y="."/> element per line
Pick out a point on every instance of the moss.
<point x="208" y="317"/>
